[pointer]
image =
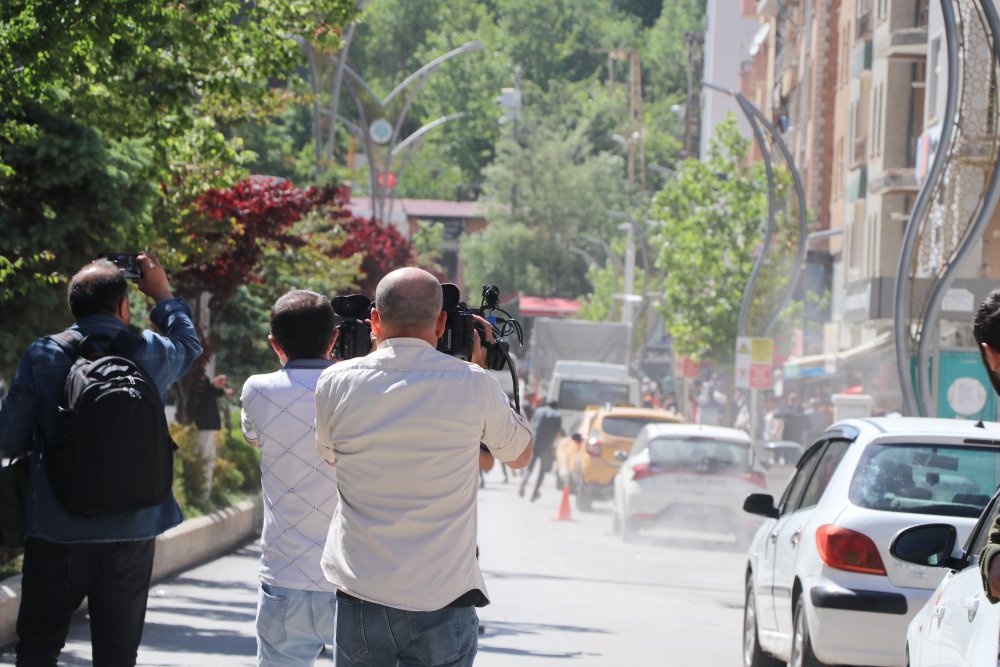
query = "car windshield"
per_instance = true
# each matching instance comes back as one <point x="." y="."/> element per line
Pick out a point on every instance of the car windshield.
<point x="702" y="454"/>
<point x="577" y="395"/>
<point x="626" y="427"/>
<point x="928" y="479"/>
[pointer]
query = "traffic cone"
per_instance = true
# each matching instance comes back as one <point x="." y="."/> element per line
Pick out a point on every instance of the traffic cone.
<point x="564" y="514"/>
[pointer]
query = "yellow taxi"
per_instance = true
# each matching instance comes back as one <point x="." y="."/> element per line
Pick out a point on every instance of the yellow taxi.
<point x="586" y="457"/>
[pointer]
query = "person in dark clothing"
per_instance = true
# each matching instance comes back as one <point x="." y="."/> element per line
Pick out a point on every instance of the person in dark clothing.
<point x="986" y="329"/>
<point x="547" y="425"/>
<point x="107" y="558"/>
<point x="208" y="422"/>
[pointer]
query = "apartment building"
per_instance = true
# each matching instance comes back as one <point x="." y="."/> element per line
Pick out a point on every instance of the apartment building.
<point x="858" y="89"/>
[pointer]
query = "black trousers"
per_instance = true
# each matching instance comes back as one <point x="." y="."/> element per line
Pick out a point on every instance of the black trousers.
<point x="113" y="576"/>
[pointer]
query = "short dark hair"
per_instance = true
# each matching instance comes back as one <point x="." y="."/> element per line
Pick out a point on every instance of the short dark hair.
<point x="302" y="322"/>
<point x="96" y="289"/>
<point x="986" y="323"/>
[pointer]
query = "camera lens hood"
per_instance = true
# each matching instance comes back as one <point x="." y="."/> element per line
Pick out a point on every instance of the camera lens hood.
<point x="353" y="306"/>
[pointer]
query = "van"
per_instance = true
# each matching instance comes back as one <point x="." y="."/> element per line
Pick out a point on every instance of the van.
<point x="577" y="384"/>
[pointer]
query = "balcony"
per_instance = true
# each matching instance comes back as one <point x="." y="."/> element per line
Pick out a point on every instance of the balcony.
<point x="898" y="180"/>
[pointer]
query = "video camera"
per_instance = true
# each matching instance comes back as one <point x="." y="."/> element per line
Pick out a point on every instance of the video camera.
<point x="354" y="339"/>
<point x="460" y="327"/>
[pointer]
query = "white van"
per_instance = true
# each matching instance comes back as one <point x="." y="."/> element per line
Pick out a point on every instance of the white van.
<point x="577" y="384"/>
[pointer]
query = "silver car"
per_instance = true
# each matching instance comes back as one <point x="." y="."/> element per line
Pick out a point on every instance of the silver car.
<point x="687" y="476"/>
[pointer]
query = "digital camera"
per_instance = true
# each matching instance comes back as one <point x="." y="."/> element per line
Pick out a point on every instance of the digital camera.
<point x="127" y="264"/>
<point x="354" y="338"/>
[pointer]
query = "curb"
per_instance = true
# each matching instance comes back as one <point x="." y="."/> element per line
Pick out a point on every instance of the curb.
<point x="192" y="542"/>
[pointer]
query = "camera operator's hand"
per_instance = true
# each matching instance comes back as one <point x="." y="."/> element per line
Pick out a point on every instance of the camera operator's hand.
<point x="153" y="281"/>
<point x="478" y="349"/>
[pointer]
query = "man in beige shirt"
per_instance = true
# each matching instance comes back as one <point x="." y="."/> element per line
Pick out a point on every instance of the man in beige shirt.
<point x="403" y="425"/>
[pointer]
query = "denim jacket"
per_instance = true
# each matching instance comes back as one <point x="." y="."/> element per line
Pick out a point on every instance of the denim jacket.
<point x="28" y="422"/>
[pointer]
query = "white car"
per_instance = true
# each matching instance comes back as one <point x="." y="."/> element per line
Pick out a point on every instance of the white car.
<point x="958" y="625"/>
<point x="821" y="585"/>
<point x="687" y="476"/>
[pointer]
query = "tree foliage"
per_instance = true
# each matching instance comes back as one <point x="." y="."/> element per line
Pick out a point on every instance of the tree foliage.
<point x="711" y="221"/>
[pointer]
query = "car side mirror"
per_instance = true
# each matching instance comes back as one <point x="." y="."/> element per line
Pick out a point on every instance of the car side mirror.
<point x="929" y="545"/>
<point x="761" y="504"/>
<point x="621" y="456"/>
<point x="577" y="438"/>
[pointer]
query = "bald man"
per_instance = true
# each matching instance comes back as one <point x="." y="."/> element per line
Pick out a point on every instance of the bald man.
<point x="107" y="558"/>
<point x="403" y="425"/>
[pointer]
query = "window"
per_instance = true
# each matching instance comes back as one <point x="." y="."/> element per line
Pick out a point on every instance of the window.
<point x="577" y="395"/>
<point x="926" y="479"/>
<point x="827" y="465"/>
<point x="627" y="427"/>
<point x="803" y="470"/>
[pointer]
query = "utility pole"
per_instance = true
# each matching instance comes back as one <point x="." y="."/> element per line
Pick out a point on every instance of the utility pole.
<point x="692" y="107"/>
<point x="635" y="140"/>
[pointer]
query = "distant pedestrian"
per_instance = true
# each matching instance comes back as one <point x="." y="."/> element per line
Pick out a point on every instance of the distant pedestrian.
<point x="107" y="558"/>
<point x="296" y="610"/>
<point x="547" y="425"/>
<point x="208" y="421"/>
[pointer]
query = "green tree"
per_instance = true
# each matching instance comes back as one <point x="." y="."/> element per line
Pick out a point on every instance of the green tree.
<point x="543" y="197"/>
<point x="115" y="118"/>
<point x="711" y="220"/>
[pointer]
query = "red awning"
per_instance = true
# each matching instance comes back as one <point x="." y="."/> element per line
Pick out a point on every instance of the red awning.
<point x="540" y="306"/>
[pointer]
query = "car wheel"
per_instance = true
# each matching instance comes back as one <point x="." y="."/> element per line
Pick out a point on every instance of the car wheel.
<point x="802" y="651"/>
<point x="753" y="654"/>
<point x="584" y="501"/>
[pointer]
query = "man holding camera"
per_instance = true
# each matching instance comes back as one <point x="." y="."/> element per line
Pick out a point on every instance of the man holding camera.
<point x="404" y="425"/>
<point x="107" y="558"/>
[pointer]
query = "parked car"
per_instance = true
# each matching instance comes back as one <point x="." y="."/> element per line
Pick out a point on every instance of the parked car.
<point x="781" y="453"/>
<point x="821" y="584"/>
<point x="957" y="626"/>
<point x="687" y="475"/>
<point x="587" y="457"/>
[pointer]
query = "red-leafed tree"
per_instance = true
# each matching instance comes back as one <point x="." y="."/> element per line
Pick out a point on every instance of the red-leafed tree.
<point x="231" y="227"/>
<point x="382" y="247"/>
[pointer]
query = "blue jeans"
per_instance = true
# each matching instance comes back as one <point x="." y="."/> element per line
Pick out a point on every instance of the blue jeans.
<point x="293" y="625"/>
<point x="378" y="636"/>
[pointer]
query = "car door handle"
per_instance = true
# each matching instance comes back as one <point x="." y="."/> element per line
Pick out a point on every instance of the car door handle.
<point x="939" y="611"/>
<point x="794" y="539"/>
<point x="774" y="537"/>
<point x="971" y="605"/>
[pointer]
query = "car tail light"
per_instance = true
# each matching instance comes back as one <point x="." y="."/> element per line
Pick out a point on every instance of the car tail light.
<point x="844" y="549"/>
<point x="756" y="478"/>
<point x="644" y="470"/>
<point x="594" y="447"/>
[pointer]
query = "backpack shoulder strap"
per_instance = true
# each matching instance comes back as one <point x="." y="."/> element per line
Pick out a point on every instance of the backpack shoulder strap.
<point x="127" y="343"/>
<point x="69" y="341"/>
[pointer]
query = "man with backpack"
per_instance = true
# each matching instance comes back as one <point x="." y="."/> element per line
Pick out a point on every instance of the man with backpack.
<point x="546" y="424"/>
<point x="86" y="536"/>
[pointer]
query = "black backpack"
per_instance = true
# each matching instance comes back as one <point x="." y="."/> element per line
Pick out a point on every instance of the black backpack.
<point x="113" y="452"/>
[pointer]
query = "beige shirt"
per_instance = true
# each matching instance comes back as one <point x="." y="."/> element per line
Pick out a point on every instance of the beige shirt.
<point x="404" y="425"/>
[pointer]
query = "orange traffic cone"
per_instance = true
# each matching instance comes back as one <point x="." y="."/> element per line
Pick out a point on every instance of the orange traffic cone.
<point x="564" y="514"/>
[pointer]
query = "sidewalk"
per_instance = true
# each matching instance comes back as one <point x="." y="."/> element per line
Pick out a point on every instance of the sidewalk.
<point x="204" y="616"/>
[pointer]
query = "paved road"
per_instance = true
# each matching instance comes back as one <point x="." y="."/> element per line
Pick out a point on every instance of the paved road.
<point x="564" y="593"/>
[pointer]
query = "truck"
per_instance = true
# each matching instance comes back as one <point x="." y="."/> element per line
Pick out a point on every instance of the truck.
<point x="554" y="339"/>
